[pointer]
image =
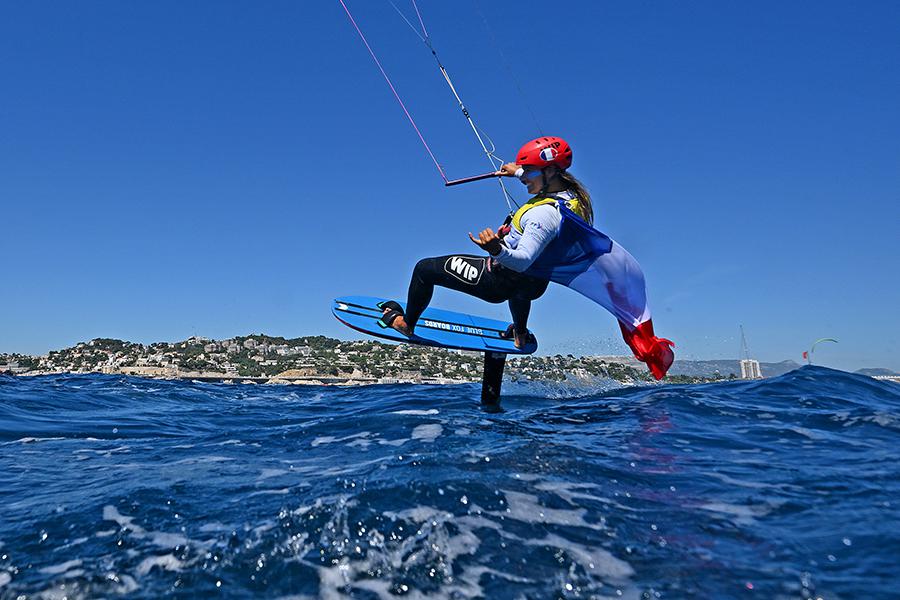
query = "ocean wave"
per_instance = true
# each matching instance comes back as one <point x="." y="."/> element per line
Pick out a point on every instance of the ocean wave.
<point x="118" y="486"/>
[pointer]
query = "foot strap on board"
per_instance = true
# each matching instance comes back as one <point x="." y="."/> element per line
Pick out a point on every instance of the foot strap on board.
<point x="394" y="310"/>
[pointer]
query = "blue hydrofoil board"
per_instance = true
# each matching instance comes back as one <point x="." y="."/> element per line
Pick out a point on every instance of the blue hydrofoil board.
<point x="436" y="327"/>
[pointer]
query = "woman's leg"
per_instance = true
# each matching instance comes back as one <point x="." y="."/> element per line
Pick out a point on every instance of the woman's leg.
<point x="465" y="273"/>
<point x="528" y="289"/>
<point x="519" y="309"/>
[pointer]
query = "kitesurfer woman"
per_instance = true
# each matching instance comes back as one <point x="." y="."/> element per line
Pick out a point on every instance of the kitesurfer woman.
<point x="541" y="165"/>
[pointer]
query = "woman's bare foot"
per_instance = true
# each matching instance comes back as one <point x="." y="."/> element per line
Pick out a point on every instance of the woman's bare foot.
<point x="519" y="340"/>
<point x="398" y="323"/>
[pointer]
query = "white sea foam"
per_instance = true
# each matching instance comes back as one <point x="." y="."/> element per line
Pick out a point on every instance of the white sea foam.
<point x="472" y="574"/>
<point x="526" y="508"/>
<point x="420" y="514"/>
<point x="427" y="433"/>
<point x="4" y="578"/>
<point x="111" y="513"/>
<point x="744" y="515"/>
<point x="167" y="540"/>
<point x="167" y="562"/>
<point x="62" y="567"/>
<point x="330" y="439"/>
<point x="361" y="443"/>
<point x="127" y="584"/>
<point x="570" y="492"/>
<point x="593" y="559"/>
<point x="269" y="473"/>
<point x="805" y="432"/>
<point x="162" y="539"/>
<point x="104" y="453"/>
<point x="738" y="482"/>
<point x="202" y="460"/>
<point x="298" y="466"/>
<point x="473" y="457"/>
<point x="395" y="443"/>
<point x="354" y="467"/>
<point x="279" y="492"/>
<point x="433" y="545"/>
<point x="32" y="440"/>
<point x="418" y="413"/>
<point x="260" y="529"/>
<point x="883" y="419"/>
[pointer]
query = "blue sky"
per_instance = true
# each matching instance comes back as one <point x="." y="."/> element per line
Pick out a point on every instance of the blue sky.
<point x="170" y="169"/>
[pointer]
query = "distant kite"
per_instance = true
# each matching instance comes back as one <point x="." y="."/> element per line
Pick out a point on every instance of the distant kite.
<point x="808" y="355"/>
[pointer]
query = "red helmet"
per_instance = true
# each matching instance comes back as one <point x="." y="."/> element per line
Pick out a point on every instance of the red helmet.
<point x="545" y="151"/>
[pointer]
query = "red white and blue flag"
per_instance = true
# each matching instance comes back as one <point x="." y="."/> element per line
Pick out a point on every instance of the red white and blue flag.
<point x="592" y="264"/>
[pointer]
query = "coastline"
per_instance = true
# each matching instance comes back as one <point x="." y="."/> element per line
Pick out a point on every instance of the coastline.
<point x="318" y="360"/>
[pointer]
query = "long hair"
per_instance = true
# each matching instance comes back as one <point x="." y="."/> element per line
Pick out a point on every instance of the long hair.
<point x="584" y="197"/>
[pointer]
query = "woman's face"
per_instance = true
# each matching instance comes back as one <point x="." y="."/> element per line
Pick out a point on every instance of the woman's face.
<point x="532" y="179"/>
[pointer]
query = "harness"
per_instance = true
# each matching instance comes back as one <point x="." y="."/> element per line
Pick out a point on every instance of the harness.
<point x="574" y="205"/>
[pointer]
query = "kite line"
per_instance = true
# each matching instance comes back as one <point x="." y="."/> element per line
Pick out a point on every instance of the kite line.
<point x="487" y="145"/>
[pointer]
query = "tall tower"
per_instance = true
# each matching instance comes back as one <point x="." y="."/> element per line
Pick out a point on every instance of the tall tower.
<point x="749" y="367"/>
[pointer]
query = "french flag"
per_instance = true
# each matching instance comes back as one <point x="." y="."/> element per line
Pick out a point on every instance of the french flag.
<point x="592" y="264"/>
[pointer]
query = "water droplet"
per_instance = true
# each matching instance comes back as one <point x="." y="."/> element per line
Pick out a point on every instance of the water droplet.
<point x="218" y="583"/>
<point x="847" y="542"/>
<point x="464" y="500"/>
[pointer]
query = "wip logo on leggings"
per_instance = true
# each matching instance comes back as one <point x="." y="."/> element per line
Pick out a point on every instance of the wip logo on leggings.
<point x="467" y="270"/>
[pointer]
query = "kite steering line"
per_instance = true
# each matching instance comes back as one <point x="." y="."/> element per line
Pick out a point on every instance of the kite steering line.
<point x="480" y="135"/>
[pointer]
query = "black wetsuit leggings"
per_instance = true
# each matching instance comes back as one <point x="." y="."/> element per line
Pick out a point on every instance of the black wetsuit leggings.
<point x="477" y="276"/>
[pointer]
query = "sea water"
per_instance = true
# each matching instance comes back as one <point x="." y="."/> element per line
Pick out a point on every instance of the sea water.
<point x="780" y="488"/>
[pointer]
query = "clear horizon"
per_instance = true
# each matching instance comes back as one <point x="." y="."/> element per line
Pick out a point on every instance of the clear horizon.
<point x="172" y="170"/>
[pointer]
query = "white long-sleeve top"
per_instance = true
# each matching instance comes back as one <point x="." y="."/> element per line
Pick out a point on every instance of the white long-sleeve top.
<point x="540" y="225"/>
